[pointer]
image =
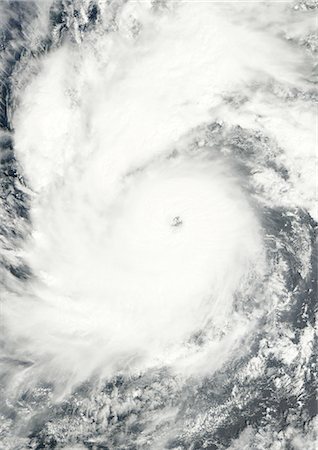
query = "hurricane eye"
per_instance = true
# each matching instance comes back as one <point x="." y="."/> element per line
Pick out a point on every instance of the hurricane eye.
<point x="176" y="221"/>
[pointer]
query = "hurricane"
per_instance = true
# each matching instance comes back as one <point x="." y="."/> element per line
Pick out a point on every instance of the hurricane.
<point x="158" y="224"/>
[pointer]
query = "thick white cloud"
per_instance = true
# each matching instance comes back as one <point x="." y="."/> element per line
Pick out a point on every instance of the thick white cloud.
<point x="117" y="285"/>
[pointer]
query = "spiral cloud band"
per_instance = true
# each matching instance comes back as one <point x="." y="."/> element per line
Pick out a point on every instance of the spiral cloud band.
<point x="158" y="213"/>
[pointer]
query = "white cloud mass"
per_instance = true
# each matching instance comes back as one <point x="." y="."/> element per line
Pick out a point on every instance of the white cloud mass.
<point x="143" y="236"/>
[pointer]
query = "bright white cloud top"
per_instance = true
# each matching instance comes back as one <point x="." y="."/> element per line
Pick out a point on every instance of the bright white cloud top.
<point x="93" y="131"/>
<point x="170" y="208"/>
